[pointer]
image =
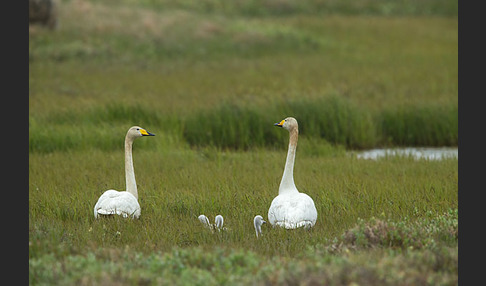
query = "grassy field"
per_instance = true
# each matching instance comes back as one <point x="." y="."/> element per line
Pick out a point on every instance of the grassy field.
<point x="210" y="78"/>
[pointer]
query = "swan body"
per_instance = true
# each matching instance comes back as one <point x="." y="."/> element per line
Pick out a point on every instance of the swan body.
<point x="124" y="203"/>
<point x="291" y="209"/>
<point x="114" y="202"/>
<point x="257" y="222"/>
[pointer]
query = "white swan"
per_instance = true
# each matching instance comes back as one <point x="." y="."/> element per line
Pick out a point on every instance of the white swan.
<point x="204" y="220"/>
<point x="291" y="209"/>
<point x="123" y="203"/>
<point x="218" y="222"/>
<point x="257" y="222"/>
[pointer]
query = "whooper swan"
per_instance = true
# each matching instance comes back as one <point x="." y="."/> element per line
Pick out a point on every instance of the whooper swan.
<point x="204" y="220"/>
<point x="257" y="222"/>
<point x="122" y="203"/>
<point x="291" y="209"/>
<point x="218" y="222"/>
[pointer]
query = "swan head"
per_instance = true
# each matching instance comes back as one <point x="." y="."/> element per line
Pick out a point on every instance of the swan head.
<point x="204" y="220"/>
<point x="257" y="222"/>
<point x="137" y="131"/>
<point x="288" y="123"/>
<point x="218" y="221"/>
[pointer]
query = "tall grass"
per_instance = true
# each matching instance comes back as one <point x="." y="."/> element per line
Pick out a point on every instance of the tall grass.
<point x="425" y="125"/>
<point x="231" y="126"/>
<point x="334" y="119"/>
<point x="310" y="7"/>
<point x="101" y="128"/>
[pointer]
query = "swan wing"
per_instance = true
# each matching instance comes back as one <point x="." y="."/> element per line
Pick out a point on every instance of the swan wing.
<point x="114" y="202"/>
<point x="292" y="211"/>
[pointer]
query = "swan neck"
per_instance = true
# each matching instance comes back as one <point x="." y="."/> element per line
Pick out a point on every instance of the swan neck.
<point x="258" y="228"/>
<point x="287" y="184"/>
<point x="129" y="172"/>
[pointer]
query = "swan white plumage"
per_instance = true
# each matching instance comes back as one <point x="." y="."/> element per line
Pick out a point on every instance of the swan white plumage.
<point x="123" y="203"/>
<point x="204" y="220"/>
<point x="257" y="222"/>
<point x="218" y="222"/>
<point x="291" y="209"/>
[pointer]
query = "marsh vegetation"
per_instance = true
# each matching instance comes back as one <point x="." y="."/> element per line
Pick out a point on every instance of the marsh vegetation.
<point x="210" y="78"/>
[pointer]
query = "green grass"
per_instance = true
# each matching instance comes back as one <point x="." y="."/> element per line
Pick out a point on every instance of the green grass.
<point x="359" y="82"/>
<point x="197" y="266"/>
<point x="175" y="187"/>
<point x="433" y="125"/>
<point x="210" y="78"/>
<point x="333" y="120"/>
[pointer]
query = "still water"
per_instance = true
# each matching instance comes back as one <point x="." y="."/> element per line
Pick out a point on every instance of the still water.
<point x="417" y="153"/>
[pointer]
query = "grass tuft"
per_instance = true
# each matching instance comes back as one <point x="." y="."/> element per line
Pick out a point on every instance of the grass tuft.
<point x="425" y="232"/>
